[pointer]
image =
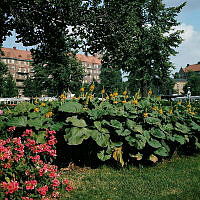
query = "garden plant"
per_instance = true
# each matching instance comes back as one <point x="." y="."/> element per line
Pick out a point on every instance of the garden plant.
<point x="89" y="131"/>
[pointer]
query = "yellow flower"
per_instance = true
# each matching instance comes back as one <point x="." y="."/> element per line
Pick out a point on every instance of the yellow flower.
<point x="123" y="101"/>
<point x="170" y="111"/>
<point x="154" y="108"/>
<point x="91" y="88"/>
<point x="124" y="93"/>
<point x="189" y="110"/>
<point x="35" y="102"/>
<point x="36" y="109"/>
<point x="161" y="111"/>
<point x="62" y="96"/>
<point x="43" y="104"/>
<point x="126" y="96"/>
<point x="111" y="95"/>
<point x="189" y="106"/>
<point x="192" y="113"/>
<point x="107" y="97"/>
<point x="49" y="114"/>
<point x="179" y="102"/>
<point x="102" y="91"/>
<point x="145" y="115"/>
<point x="82" y="89"/>
<point x="150" y="92"/>
<point x="135" y="101"/>
<point x="115" y="94"/>
<point x="115" y="102"/>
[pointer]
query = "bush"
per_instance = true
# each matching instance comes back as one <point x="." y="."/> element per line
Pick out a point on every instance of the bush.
<point x="25" y="171"/>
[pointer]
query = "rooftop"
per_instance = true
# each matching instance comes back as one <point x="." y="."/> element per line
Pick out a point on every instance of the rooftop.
<point x="195" y="68"/>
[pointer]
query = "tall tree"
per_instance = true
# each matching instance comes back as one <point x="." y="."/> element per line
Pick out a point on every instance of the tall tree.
<point x="135" y="36"/>
<point x="10" y="88"/>
<point x="111" y="80"/>
<point x="47" y="25"/>
<point x="193" y="81"/>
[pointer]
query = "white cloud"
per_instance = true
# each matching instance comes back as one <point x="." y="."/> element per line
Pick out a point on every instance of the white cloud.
<point x="189" y="51"/>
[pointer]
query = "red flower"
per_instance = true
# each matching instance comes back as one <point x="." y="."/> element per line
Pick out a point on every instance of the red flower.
<point x="11" y="187"/>
<point x="43" y="190"/>
<point x="55" y="182"/>
<point x="30" y="185"/>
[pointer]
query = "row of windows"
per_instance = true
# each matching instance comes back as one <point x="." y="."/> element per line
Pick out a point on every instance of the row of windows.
<point x="11" y="61"/>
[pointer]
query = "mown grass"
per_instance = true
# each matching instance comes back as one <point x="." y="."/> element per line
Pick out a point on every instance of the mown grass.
<point x="178" y="179"/>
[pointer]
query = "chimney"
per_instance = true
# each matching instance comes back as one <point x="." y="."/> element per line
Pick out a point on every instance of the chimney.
<point x="14" y="48"/>
<point x="198" y="63"/>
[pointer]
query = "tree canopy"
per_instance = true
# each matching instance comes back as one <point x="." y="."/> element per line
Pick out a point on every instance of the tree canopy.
<point x="135" y="36"/>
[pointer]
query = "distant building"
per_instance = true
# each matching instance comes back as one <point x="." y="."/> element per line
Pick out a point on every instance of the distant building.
<point x="189" y="68"/>
<point x="19" y="64"/>
<point x="183" y="75"/>
<point x="92" y="66"/>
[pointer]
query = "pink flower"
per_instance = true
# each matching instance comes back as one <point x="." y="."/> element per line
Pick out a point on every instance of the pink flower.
<point x="27" y="198"/>
<point x="55" y="182"/>
<point x="30" y="185"/>
<point x="43" y="190"/>
<point x="12" y="128"/>
<point x="11" y="187"/>
<point x="51" y="132"/>
<point x="52" y="141"/>
<point x="35" y="158"/>
<point x="53" y="174"/>
<point x="27" y="132"/>
<point x="55" y="194"/>
<point x="69" y="188"/>
<point x="1" y="112"/>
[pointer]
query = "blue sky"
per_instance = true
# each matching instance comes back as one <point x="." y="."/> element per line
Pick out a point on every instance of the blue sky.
<point x="189" y="50"/>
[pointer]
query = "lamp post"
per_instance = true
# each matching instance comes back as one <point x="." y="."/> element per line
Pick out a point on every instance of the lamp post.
<point x="189" y="94"/>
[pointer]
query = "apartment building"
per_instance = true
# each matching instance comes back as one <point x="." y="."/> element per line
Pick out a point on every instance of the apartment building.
<point x="92" y="66"/>
<point x="19" y="65"/>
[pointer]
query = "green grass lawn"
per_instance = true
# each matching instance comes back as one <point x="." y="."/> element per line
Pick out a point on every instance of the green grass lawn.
<point x="178" y="179"/>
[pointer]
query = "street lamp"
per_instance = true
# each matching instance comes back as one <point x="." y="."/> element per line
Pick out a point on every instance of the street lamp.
<point x="189" y="94"/>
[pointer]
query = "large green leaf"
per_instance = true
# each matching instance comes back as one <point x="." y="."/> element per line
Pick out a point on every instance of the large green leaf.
<point x="40" y="137"/>
<point x="122" y="132"/>
<point x="116" y="124"/>
<point x="154" y="143"/>
<point x="38" y="123"/>
<point x="182" y="128"/>
<point x="97" y="125"/>
<point x="71" y="107"/>
<point x="138" y="128"/>
<point x="18" y="121"/>
<point x="157" y="133"/>
<point x="153" y="120"/>
<point x="102" y="156"/>
<point x="179" y="139"/>
<point x="76" y="122"/>
<point x="23" y="107"/>
<point x="101" y="139"/>
<point x="161" y="151"/>
<point x="195" y="126"/>
<point x="130" y="124"/>
<point x="56" y="126"/>
<point x="75" y="135"/>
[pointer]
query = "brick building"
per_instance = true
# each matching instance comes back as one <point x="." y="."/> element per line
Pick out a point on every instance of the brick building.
<point x="19" y="65"/>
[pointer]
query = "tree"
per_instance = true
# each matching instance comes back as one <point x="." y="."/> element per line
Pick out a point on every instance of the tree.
<point x="193" y="81"/>
<point x="7" y="85"/>
<point x="111" y="80"/>
<point x="47" y="25"/>
<point x="10" y="88"/>
<point x="135" y="36"/>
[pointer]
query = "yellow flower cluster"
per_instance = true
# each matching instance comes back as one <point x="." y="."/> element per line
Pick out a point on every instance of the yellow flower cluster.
<point x="63" y="96"/>
<point x="49" y="115"/>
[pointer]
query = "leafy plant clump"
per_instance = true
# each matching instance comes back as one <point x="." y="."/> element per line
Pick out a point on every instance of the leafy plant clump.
<point x="114" y="127"/>
<point x="26" y="169"/>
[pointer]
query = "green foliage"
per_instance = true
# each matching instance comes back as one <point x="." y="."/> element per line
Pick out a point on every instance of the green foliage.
<point x="193" y="81"/>
<point x="7" y="85"/>
<point x="110" y="130"/>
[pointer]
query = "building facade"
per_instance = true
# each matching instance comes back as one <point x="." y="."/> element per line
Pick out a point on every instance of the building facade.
<point x="19" y="63"/>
